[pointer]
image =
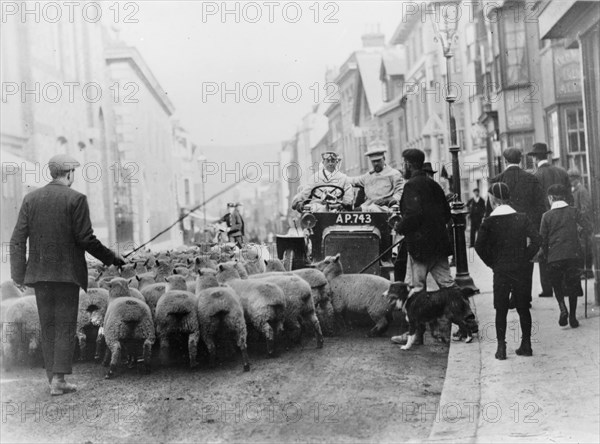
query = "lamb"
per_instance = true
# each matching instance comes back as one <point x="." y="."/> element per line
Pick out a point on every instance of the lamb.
<point x="20" y="330"/>
<point x="8" y="290"/>
<point x="299" y="304"/>
<point x="263" y="303"/>
<point x="152" y="293"/>
<point x="177" y="314"/>
<point x="92" y="308"/>
<point x="221" y="307"/>
<point x="357" y="293"/>
<point x="128" y="320"/>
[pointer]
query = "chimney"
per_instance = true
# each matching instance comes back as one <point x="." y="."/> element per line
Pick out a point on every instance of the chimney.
<point x="373" y="39"/>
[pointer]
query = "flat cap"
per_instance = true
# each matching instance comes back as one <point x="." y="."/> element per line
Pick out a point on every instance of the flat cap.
<point x="574" y="172"/>
<point x="376" y="149"/>
<point x="500" y="190"/>
<point x="62" y="162"/>
<point x="513" y="155"/>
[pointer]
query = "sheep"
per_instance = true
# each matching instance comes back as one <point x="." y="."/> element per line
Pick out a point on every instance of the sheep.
<point x="205" y="280"/>
<point x="263" y="302"/>
<point x="221" y="307"/>
<point x="206" y="273"/>
<point x="357" y="293"/>
<point x="9" y="290"/>
<point x="20" y="330"/>
<point x="152" y="293"/>
<point x="299" y="304"/>
<point x="204" y="261"/>
<point x="143" y="280"/>
<point x="119" y="287"/>
<point x="127" y="320"/>
<point x="274" y="265"/>
<point x="92" y="309"/>
<point x="177" y="314"/>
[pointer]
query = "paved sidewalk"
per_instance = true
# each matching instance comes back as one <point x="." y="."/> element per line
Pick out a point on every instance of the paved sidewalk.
<point x="553" y="396"/>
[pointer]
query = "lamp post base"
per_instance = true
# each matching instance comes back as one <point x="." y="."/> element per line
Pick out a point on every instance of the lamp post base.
<point x="459" y="222"/>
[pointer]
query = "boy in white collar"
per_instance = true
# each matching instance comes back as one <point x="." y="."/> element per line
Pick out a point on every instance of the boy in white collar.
<point x="502" y="244"/>
<point x="562" y="251"/>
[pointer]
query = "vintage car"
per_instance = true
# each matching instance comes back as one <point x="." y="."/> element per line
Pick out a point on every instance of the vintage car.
<point x="364" y="240"/>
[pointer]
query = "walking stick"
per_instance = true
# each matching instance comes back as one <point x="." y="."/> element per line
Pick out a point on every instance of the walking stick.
<point x="585" y="275"/>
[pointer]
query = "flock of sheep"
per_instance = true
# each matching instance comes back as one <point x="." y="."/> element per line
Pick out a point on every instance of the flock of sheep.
<point x="192" y="296"/>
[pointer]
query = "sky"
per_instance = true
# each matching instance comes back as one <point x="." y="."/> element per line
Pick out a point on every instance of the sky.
<point x="270" y="56"/>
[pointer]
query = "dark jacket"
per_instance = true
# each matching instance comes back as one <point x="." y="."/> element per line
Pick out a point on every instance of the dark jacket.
<point x="56" y="220"/>
<point x="551" y="175"/>
<point x="526" y="193"/>
<point x="502" y="242"/>
<point x="560" y="238"/>
<point x="425" y="213"/>
<point x="237" y="224"/>
<point x="476" y="209"/>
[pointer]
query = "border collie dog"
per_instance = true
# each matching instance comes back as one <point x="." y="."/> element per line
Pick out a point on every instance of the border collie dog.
<point x="425" y="307"/>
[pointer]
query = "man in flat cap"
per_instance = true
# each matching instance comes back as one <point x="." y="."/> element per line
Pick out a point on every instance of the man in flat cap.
<point x="507" y="242"/>
<point x="236" y="230"/>
<point x="56" y="221"/>
<point x="327" y="174"/>
<point x="383" y="184"/>
<point x="548" y="175"/>
<point x="526" y="192"/>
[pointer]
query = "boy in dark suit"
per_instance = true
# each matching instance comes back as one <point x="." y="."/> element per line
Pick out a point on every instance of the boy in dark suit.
<point x="502" y="243"/>
<point x="561" y="250"/>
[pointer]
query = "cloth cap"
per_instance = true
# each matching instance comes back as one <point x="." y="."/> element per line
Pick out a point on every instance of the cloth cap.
<point x="513" y="155"/>
<point x="376" y="150"/>
<point x="500" y="190"/>
<point x="62" y="163"/>
<point x="574" y="173"/>
<point x="428" y="168"/>
<point x="415" y="157"/>
<point x="557" y="190"/>
<point x="539" y="148"/>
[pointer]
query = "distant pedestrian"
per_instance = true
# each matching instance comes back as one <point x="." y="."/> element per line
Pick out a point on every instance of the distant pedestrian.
<point x="507" y="241"/>
<point x="562" y="252"/>
<point x="548" y="175"/>
<point x="237" y="229"/>
<point x="55" y="219"/>
<point x="476" y="207"/>
<point x="525" y="191"/>
<point x="582" y="201"/>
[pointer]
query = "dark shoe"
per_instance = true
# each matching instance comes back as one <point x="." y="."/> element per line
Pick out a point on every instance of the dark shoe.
<point x="501" y="351"/>
<point x="573" y="322"/>
<point x="524" y="349"/>
<point x="564" y="313"/>
<point x="545" y="295"/>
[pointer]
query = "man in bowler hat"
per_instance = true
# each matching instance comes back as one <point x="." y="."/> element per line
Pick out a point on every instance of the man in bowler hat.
<point x="548" y="175"/>
<point x="56" y="221"/>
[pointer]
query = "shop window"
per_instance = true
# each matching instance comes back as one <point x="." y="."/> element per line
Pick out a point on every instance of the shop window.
<point x="576" y="153"/>
<point x="515" y="52"/>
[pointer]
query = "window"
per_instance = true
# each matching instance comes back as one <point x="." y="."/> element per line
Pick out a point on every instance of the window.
<point x="515" y="52"/>
<point x="553" y="134"/>
<point x="576" y="155"/>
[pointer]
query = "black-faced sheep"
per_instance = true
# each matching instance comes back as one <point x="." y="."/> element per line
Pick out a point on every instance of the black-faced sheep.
<point x="357" y="293"/>
<point x="20" y="331"/>
<point x="92" y="309"/>
<point x="221" y="307"/>
<point x="263" y="302"/>
<point x="127" y="322"/>
<point x="177" y="314"/>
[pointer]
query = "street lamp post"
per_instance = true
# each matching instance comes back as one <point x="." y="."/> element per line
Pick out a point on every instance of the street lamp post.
<point x="445" y="24"/>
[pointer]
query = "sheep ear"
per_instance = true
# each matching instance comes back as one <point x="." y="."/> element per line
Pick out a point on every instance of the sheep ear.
<point x="138" y="278"/>
<point x="221" y="267"/>
<point x="336" y="257"/>
<point x="189" y="261"/>
<point x="158" y="263"/>
<point x="266" y="262"/>
<point x="174" y="271"/>
<point x="129" y="281"/>
<point x="134" y="265"/>
<point x="146" y="263"/>
<point x="197" y="261"/>
<point x="199" y="272"/>
<point x="168" y="279"/>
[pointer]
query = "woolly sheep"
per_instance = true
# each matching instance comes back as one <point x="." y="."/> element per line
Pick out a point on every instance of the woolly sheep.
<point x="119" y="288"/>
<point x="128" y="320"/>
<point x="20" y="330"/>
<point x="192" y="285"/>
<point x="263" y="302"/>
<point x="143" y="280"/>
<point x="152" y="293"/>
<point x="274" y="265"/>
<point x="92" y="309"/>
<point x="9" y="290"/>
<point x="357" y="293"/>
<point x="205" y="262"/>
<point x="221" y="307"/>
<point x="177" y="314"/>
<point x="299" y="304"/>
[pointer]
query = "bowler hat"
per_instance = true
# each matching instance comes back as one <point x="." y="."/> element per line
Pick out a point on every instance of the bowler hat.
<point x="427" y="168"/>
<point x="62" y="163"/>
<point x="500" y="190"/>
<point x="513" y="155"/>
<point x="539" y="148"/>
<point x="574" y="173"/>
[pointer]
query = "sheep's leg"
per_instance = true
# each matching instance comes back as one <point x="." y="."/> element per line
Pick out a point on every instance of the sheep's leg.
<point x="115" y="351"/>
<point x="293" y="331"/>
<point x="33" y="347"/>
<point x="107" y="356"/>
<point x="82" y="338"/>
<point x="266" y="329"/>
<point x="147" y="354"/>
<point x="312" y="318"/>
<point x="10" y="354"/>
<point x="238" y="325"/>
<point x="100" y="344"/>
<point x="193" y="348"/>
<point x="379" y="328"/>
<point x="164" y="357"/>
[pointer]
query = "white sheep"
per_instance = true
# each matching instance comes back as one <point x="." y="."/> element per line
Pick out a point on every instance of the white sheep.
<point x="263" y="302"/>
<point x="357" y="293"/>
<point x="90" y="317"/>
<point x="20" y="330"/>
<point x="177" y="314"/>
<point x="119" y="288"/>
<point x="221" y="307"/>
<point x="128" y="320"/>
<point x="152" y="293"/>
<point x="274" y="265"/>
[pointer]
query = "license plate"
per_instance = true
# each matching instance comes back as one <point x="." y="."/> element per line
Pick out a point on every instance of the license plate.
<point x="353" y="218"/>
